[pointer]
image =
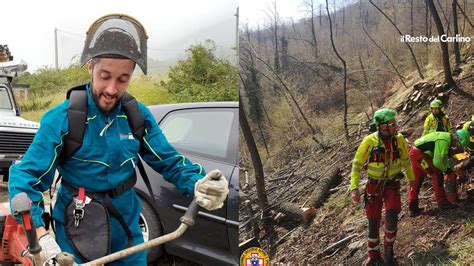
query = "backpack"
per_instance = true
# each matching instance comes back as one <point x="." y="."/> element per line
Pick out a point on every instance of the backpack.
<point x="77" y="116"/>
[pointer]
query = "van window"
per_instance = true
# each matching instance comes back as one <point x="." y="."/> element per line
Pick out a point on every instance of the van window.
<point x="5" y="102"/>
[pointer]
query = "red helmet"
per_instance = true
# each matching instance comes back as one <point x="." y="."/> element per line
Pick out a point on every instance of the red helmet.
<point x="116" y="36"/>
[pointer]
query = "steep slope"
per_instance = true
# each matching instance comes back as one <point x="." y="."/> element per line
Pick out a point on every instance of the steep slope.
<point x="434" y="237"/>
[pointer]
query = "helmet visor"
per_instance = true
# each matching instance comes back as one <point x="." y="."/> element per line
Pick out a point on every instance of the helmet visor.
<point x="116" y="35"/>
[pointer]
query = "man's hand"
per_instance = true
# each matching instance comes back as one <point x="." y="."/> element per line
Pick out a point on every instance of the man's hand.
<point x="49" y="247"/>
<point x="355" y="195"/>
<point x="211" y="191"/>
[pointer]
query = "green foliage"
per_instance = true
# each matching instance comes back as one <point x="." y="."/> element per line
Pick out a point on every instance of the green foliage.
<point x="149" y="91"/>
<point x="47" y="81"/>
<point x="203" y="76"/>
<point x="35" y="104"/>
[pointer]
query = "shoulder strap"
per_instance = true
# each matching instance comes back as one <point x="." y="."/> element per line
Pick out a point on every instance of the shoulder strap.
<point x="134" y="116"/>
<point x="77" y="115"/>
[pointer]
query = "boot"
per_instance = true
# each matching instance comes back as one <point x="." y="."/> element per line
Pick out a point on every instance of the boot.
<point x="414" y="209"/>
<point x="378" y="261"/>
<point x="389" y="256"/>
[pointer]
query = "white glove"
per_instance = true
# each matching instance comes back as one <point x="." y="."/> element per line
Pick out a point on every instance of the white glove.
<point x="49" y="247"/>
<point x="211" y="191"/>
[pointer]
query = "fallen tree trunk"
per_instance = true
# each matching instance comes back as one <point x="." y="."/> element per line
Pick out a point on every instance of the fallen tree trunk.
<point x="320" y="193"/>
<point x="294" y="212"/>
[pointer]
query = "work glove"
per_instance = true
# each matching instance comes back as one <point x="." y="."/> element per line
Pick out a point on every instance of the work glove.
<point x="49" y="247"/>
<point x="355" y="195"/>
<point x="211" y="191"/>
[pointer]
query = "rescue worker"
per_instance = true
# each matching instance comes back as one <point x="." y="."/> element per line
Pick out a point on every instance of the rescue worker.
<point x="385" y="153"/>
<point x="429" y="156"/>
<point x="468" y="163"/>
<point x="106" y="162"/>
<point x="437" y="120"/>
<point x="469" y="127"/>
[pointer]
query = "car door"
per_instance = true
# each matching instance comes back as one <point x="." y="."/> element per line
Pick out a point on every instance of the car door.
<point x="208" y="136"/>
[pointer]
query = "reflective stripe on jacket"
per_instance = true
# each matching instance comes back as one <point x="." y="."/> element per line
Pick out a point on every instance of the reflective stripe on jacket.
<point x="387" y="166"/>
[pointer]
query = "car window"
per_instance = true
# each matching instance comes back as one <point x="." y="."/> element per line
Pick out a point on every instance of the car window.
<point x="201" y="132"/>
<point x="5" y="102"/>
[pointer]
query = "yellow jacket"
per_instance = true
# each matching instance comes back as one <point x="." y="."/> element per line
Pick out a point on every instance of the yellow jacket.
<point x="431" y="124"/>
<point x="470" y="146"/>
<point x="381" y="163"/>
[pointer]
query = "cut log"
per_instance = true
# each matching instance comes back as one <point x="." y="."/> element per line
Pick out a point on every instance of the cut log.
<point x="417" y="96"/>
<point x="320" y="193"/>
<point x="294" y="212"/>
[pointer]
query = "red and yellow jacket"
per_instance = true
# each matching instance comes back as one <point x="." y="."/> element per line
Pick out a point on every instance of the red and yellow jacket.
<point x="382" y="163"/>
<point x="431" y="124"/>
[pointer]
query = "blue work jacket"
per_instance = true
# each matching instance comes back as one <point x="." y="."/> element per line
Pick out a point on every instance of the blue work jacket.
<point x="107" y="158"/>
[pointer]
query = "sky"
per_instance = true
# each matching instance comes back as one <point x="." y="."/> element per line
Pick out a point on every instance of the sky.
<point x="255" y="12"/>
<point x="172" y="26"/>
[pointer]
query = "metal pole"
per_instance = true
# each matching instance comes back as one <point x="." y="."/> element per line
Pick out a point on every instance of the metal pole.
<point x="237" y="30"/>
<point x="56" y="47"/>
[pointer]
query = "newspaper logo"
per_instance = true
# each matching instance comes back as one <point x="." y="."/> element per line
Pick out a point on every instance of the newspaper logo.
<point x="254" y="256"/>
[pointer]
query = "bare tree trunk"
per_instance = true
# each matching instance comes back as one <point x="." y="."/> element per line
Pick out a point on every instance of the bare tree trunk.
<point x="412" y="31"/>
<point x="320" y="193"/>
<point x="457" y="53"/>
<point x="335" y="16"/>
<point x="399" y="32"/>
<point x="276" y="58"/>
<point x="448" y="22"/>
<point x="314" y="130"/>
<point x="386" y="56"/>
<point x="366" y="80"/>
<point x="448" y="77"/>
<point x="346" y="131"/>
<point x="427" y="33"/>
<point x="258" y="167"/>
<point x="262" y="135"/>
<point x="343" y="20"/>
<point x="320" y="16"/>
<point x="465" y="16"/>
<point x="313" y="31"/>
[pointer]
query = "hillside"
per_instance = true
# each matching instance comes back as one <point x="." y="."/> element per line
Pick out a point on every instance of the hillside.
<point x="434" y="237"/>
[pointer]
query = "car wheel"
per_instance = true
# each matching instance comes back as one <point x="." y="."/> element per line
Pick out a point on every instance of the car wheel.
<point x="151" y="229"/>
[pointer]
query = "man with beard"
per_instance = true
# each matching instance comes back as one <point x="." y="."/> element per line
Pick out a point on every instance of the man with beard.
<point x="385" y="155"/>
<point x="437" y="120"/>
<point x="97" y="210"/>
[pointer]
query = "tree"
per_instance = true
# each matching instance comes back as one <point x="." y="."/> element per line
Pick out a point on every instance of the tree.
<point x="457" y="53"/>
<point x="257" y="166"/>
<point x="448" y="77"/>
<point x="399" y="32"/>
<point x="203" y="76"/>
<point x="345" y="71"/>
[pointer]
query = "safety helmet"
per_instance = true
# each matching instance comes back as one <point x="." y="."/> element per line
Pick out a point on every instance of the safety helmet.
<point x="471" y="128"/>
<point x="382" y="116"/>
<point x="116" y="36"/>
<point x="436" y="104"/>
<point x="463" y="137"/>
